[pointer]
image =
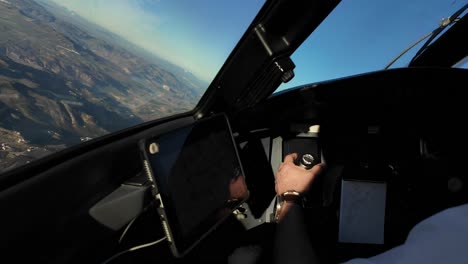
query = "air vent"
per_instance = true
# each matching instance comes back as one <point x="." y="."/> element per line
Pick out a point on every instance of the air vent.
<point x="281" y="70"/>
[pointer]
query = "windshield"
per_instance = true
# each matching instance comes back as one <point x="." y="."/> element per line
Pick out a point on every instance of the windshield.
<point x="364" y="35"/>
<point x="71" y="71"/>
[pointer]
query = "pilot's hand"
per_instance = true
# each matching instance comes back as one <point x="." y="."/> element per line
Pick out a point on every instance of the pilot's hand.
<point x="291" y="177"/>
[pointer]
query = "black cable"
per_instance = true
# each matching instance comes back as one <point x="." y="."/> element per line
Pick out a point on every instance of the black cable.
<point x="133" y="249"/>
<point x="407" y="49"/>
<point x="432" y="35"/>
<point x="443" y="24"/>
<point x="127" y="228"/>
<point x="133" y="220"/>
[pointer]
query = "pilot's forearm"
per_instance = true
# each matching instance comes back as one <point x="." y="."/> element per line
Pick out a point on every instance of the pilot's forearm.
<point x="292" y="244"/>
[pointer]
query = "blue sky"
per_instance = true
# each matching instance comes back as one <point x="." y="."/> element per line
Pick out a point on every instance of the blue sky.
<point x="198" y="35"/>
<point x="364" y="35"/>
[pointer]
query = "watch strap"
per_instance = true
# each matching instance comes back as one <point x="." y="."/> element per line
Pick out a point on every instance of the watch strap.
<point x="292" y="196"/>
<point x="287" y="197"/>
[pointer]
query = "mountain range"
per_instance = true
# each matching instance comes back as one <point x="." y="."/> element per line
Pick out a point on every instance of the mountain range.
<point x="64" y="80"/>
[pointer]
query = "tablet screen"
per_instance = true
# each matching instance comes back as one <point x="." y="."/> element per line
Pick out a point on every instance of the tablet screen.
<point x="199" y="177"/>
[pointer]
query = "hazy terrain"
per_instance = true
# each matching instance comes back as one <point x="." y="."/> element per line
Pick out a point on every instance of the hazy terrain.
<point x="64" y="80"/>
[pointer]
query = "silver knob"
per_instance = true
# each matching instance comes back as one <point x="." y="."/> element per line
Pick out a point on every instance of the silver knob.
<point x="307" y="160"/>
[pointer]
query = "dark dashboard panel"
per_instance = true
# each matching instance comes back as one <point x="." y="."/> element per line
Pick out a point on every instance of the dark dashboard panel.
<point x="403" y="126"/>
<point x="406" y="107"/>
<point x="51" y="210"/>
<point x="419" y="97"/>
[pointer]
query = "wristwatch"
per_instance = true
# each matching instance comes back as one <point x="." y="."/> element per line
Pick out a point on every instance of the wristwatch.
<point x="289" y="196"/>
